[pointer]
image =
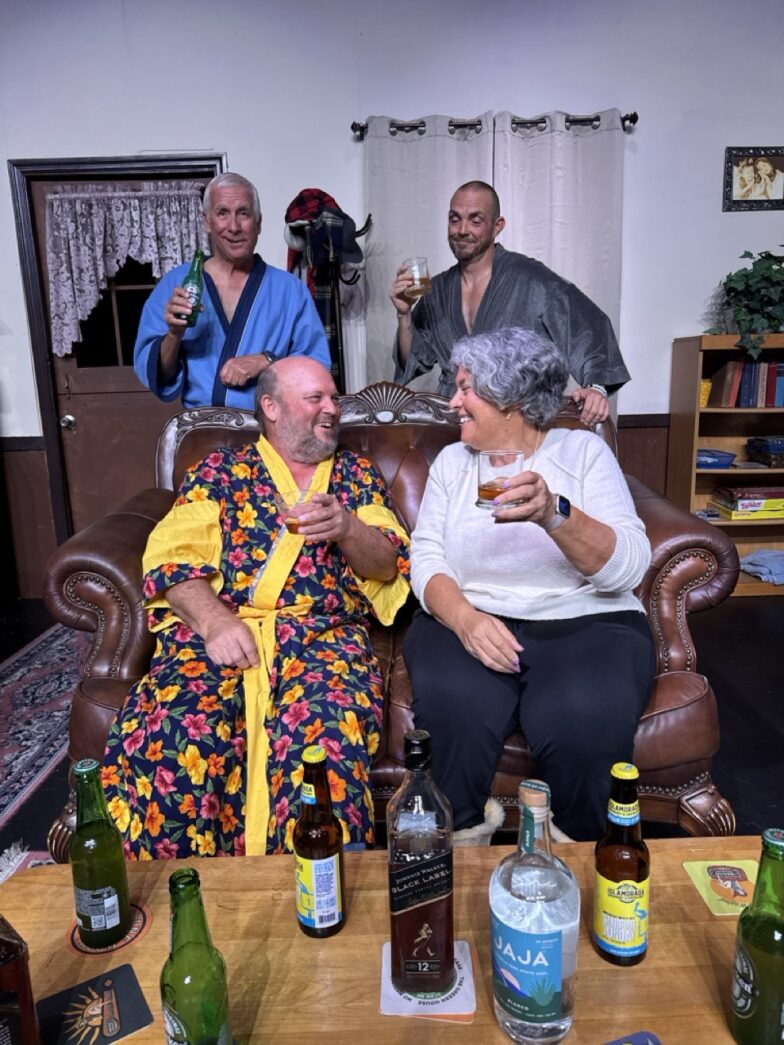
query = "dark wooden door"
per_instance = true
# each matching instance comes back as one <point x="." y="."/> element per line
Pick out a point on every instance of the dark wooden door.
<point x="110" y="425"/>
<point x="100" y="425"/>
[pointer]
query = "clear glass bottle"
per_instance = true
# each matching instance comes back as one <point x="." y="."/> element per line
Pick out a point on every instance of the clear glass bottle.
<point x="100" y="878"/>
<point x="623" y="869"/>
<point x="194" y="994"/>
<point x="18" y="1016"/>
<point x="318" y="852"/>
<point x="758" y="984"/>
<point x="419" y="852"/>
<point x="535" y="915"/>
<point x="193" y="284"/>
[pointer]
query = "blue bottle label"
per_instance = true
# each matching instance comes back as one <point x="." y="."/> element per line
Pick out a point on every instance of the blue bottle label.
<point x="527" y="972"/>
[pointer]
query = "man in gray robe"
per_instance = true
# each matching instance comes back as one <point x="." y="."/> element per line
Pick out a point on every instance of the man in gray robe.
<point x="490" y="288"/>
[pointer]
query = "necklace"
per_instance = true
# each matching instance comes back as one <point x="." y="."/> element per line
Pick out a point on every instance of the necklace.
<point x="529" y="463"/>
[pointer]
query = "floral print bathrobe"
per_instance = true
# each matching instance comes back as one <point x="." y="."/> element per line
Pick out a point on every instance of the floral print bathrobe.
<point x="207" y="759"/>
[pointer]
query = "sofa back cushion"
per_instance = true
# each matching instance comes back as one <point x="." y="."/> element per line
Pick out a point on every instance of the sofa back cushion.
<point x="400" y="430"/>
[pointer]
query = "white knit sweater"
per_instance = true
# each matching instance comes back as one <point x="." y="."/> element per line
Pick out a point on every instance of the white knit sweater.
<point x="515" y="569"/>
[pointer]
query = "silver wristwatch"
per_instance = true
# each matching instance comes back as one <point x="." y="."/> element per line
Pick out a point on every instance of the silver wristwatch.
<point x="563" y="509"/>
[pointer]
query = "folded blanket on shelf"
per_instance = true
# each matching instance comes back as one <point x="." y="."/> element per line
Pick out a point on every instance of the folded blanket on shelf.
<point x="767" y="564"/>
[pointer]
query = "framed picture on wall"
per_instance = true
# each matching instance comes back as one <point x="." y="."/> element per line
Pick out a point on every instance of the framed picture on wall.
<point x="754" y="178"/>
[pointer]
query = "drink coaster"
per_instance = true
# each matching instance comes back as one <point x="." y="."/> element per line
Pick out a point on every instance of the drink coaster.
<point x="141" y="920"/>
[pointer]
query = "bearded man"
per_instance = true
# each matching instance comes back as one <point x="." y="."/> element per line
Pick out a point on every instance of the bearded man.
<point x="491" y="288"/>
<point x="260" y="611"/>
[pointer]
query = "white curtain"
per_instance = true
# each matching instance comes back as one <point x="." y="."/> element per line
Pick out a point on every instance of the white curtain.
<point x="411" y="169"/>
<point x="560" y="181"/>
<point x="91" y="230"/>
<point x="561" y="189"/>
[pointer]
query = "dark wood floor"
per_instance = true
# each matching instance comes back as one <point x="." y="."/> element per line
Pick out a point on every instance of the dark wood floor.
<point x="738" y="648"/>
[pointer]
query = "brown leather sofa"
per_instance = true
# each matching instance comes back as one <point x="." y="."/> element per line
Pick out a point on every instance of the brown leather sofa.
<point x="93" y="583"/>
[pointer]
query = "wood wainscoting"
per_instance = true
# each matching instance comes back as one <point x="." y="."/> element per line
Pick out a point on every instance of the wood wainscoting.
<point x="642" y="448"/>
<point x="26" y="520"/>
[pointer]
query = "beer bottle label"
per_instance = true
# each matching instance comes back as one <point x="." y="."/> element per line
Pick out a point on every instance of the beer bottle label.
<point x="743" y="983"/>
<point x="319" y="900"/>
<point x="97" y="908"/>
<point x="623" y="814"/>
<point x="177" y="1033"/>
<point x="307" y="794"/>
<point x="193" y="290"/>
<point x="620" y="916"/>
<point x="11" y="1029"/>
<point x="527" y="972"/>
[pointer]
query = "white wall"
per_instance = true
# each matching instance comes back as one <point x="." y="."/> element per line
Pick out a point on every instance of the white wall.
<point x="276" y="86"/>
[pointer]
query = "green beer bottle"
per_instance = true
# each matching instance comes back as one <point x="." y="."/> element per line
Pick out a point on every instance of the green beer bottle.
<point x="103" y="914"/>
<point x="193" y="979"/>
<point x="758" y="984"/>
<point x="193" y="284"/>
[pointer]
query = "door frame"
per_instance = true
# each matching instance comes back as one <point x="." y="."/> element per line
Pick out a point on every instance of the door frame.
<point x="22" y="173"/>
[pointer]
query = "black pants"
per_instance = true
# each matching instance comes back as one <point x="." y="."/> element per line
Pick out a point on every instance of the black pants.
<point x="582" y="687"/>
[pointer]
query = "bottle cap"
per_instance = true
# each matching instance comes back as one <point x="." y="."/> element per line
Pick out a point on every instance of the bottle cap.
<point x="625" y="771"/>
<point x="85" y="766"/>
<point x="417" y="748"/>
<point x="534" y="793"/>
<point x="773" y="840"/>
<point x="314" y="753"/>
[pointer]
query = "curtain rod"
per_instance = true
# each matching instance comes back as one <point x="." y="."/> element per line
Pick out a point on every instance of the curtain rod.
<point x="359" y="130"/>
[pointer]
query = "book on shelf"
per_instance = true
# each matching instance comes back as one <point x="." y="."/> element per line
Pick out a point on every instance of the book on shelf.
<point x="770" y="387"/>
<point x="748" y="386"/>
<point x="737" y="376"/>
<point x="779" y="384"/>
<point x="721" y="383"/>
<point x="750" y="498"/>
<point x="762" y="383"/>
<point x="737" y="514"/>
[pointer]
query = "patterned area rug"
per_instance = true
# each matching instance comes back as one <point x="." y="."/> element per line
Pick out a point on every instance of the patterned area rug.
<point x="35" y="700"/>
<point x="17" y="858"/>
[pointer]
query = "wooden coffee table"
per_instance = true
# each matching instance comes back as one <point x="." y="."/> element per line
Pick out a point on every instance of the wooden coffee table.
<point x="284" y="986"/>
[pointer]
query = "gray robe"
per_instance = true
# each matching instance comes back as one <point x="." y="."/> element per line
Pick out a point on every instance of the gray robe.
<point x="521" y="293"/>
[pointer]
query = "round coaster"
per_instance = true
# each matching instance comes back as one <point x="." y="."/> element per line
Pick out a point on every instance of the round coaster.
<point x="141" y="920"/>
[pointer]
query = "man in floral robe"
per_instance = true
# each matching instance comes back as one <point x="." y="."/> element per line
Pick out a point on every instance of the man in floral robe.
<point x="262" y="642"/>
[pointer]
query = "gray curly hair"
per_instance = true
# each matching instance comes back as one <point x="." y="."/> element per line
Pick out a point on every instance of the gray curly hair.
<point x="515" y="369"/>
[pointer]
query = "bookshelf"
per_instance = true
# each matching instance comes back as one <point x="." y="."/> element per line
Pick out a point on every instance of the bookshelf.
<point x="721" y="428"/>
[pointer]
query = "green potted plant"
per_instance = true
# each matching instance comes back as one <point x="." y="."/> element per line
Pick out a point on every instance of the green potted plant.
<point x="754" y="298"/>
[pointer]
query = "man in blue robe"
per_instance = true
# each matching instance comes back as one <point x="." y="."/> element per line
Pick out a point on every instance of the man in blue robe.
<point x="251" y="313"/>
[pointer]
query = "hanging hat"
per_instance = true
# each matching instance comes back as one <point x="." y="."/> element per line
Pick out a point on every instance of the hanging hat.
<point x="317" y="226"/>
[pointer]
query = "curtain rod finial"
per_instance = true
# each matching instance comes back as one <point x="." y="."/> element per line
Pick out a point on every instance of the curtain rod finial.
<point x="359" y="130"/>
<point x="629" y="120"/>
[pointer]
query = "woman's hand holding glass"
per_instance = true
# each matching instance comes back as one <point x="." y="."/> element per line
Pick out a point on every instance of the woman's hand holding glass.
<point x="526" y="498"/>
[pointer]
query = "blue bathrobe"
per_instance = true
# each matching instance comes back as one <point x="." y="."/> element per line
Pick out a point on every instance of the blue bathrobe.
<point x="274" y="314"/>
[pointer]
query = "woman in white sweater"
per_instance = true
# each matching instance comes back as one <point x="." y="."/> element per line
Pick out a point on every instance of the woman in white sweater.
<point x="528" y="617"/>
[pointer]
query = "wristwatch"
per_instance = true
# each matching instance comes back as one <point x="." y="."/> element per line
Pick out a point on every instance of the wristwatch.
<point x="269" y="357"/>
<point x="563" y="509"/>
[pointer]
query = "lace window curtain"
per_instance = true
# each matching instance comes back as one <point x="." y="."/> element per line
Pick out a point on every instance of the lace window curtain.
<point x="561" y="188"/>
<point x="92" y="230"/>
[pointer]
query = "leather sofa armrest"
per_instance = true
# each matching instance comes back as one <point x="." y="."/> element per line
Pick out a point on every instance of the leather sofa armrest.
<point x="93" y="582"/>
<point x="695" y="566"/>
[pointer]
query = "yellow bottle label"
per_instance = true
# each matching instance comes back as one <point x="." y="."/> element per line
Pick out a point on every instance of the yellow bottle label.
<point x="307" y="794"/>
<point x="620" y="916"/>
<point x="319" y="897"/>
<point x="623" y="814"/>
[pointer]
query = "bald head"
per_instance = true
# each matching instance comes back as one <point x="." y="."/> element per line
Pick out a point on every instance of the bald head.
<point x="298" y="409"/>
